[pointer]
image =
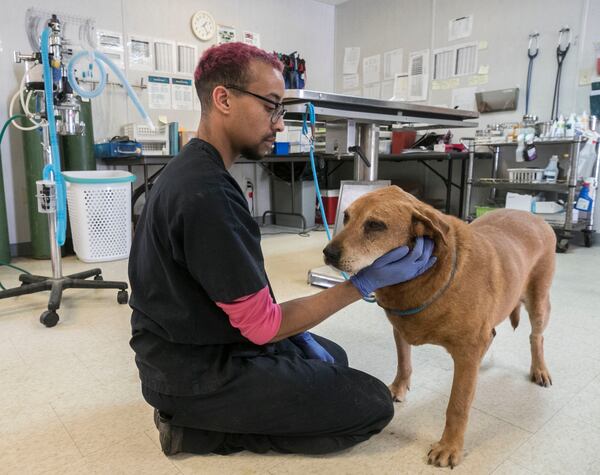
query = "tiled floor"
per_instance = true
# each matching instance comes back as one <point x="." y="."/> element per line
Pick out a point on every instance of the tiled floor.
<point x="71" y="401"/>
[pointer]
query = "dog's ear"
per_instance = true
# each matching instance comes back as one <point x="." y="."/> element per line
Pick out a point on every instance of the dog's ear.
<point x="429" y="222"/>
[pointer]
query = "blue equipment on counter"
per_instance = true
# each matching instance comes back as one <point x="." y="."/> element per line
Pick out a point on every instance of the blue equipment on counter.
<point x="117" y="149"/>
<point x="281" y="148"/>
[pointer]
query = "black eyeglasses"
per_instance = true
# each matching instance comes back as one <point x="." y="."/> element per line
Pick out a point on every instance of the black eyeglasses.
<point x="278" y="112"/>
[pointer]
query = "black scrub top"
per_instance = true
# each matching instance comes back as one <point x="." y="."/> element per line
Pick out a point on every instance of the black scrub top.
<point x="195" y="244"/>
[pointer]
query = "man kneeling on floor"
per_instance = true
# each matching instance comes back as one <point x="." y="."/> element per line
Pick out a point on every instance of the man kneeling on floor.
<point x="225" y="367"/>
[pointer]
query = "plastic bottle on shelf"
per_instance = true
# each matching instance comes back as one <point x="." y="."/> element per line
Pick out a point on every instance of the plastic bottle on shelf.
<point x="566" y="162"/>
<point x="530" y="153"/>
<point x="570" y="127"/>
<point x="585" y="121"/>
<point x="560" y="128"/>
<point x="584" y="200"/>
<point x="551" y="171"/>
<point x="520" y="148"/>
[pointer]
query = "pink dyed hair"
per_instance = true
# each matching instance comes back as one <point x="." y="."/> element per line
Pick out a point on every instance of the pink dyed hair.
<point x="228" y="63"/>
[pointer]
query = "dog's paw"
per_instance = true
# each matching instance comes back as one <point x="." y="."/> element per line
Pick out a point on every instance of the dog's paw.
<point x="399" y="390"/>
<point x="443" y="454"/>
<point x="540" y="375"/>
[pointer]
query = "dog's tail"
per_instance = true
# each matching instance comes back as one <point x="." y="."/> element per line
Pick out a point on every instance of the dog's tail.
<point x="515" y="316"/>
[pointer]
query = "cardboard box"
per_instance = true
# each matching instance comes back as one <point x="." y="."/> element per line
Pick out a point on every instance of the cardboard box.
<point x="517" y="201"/>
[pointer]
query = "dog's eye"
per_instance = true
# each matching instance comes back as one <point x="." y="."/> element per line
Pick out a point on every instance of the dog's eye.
<point x="346" y="217"/>
<point x="374" y="225"/>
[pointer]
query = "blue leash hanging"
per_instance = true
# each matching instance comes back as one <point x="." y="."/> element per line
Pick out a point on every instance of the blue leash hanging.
<point x="310" y="121"/>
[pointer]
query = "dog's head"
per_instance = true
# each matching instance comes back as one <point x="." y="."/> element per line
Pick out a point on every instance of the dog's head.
<point x="378" y="222"/>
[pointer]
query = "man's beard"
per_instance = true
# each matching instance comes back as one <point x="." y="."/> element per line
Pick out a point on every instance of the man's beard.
<point x="252" y="154"/>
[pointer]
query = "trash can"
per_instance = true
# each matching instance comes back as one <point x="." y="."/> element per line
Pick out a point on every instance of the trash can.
<point x="330" y="202"/>
<point x="99" y="204"/>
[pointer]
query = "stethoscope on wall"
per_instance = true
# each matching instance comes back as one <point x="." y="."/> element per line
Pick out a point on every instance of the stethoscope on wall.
<point x="532" y="54"/>
<point x="561" y="53"/>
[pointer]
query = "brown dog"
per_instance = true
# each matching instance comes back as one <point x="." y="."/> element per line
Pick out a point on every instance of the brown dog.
<point x="484" y="271"/>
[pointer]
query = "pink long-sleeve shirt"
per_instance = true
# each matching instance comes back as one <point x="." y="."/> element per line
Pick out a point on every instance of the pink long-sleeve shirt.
<point x="256" y="316"/>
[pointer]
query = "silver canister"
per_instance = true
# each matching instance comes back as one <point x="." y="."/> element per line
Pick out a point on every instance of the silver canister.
<point x="542" y="129"/>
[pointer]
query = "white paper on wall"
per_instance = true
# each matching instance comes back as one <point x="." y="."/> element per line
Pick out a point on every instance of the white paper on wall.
<point x="460" y="28"/>
<point x="350" y="81"/>
<point x="139" y="52"/>
<point x="371" y="69"/>
<point x="225" y="34"/>
<point x="418" y="75"/>
<point x="182" y="94"/>
<point x="251" y="38"/>
<point x="387" y="90"/>
<point x="466" y="59"/>
<point x="159" y="92"/>
<point x="186" y="58"/>
<point x="464" y="98"/>
<point x="111" y="44"/>
<point x="392" y="63"/>
<point x="164" y="56"/>
<point x="444" y="61"/>
<point x="478" y="79"/>
<point x="400" y="92"/>
<point x="372" y="91"/>
<point x="351" y="59"/>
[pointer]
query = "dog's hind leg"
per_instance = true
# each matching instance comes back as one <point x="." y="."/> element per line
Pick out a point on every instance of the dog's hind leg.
<point x="401" y="384"/>
<point x="537" y="302"/>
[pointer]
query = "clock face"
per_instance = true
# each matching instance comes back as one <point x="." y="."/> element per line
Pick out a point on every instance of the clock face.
<point x="203" y="25"/>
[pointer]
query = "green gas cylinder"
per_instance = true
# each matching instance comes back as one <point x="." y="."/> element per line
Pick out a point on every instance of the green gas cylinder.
<point x="78" y="150"/>
<point x="34" y="165"/>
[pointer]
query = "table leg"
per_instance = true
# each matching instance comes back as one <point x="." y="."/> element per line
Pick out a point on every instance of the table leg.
<point x="463" y="177"/>
<point x="449" y="186"/>
<point x="145" y="181"/>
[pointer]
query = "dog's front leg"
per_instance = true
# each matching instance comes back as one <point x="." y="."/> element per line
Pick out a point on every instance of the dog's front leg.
<point x="449" y="450"/>
<point x="401" y="384"/>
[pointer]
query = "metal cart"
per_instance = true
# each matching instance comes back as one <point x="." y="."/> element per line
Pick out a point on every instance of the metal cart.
<point x="568" y="186"/>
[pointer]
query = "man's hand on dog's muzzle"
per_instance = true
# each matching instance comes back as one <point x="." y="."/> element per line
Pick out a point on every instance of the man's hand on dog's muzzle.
<point x="398" y="265"/>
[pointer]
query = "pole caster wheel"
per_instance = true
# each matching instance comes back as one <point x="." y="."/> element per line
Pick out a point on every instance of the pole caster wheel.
<point x="122" y="297"/>
<point x="588" y="238"/>
<point x="562" y="246"/>
<point x="49" y="318"/>
<point x="98" y="277"/>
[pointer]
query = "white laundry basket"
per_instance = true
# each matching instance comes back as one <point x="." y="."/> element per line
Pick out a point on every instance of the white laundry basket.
<point x="100" y="213"/>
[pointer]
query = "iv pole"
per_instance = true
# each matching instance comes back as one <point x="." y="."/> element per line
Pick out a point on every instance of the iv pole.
<point x="67" y="123"/>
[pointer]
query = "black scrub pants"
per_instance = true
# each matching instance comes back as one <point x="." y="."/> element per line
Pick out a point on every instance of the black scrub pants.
<point x="283" y="402"/>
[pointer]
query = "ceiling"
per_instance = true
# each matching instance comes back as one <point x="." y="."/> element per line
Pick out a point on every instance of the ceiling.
<point x="332" y="2"/>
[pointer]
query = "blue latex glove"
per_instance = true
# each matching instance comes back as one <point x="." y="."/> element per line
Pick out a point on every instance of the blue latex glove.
<point x="398" y="265"/>
<point x="311" y="348"/>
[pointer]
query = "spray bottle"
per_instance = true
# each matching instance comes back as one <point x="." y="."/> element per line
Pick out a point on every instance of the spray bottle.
<point x="551" y="171"/>
<point x="530" y="153"/>
<point x="520" y="148"/>
<point x="584" y="200"/>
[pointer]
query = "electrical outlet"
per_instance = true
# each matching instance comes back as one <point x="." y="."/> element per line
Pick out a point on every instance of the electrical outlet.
<point x="585" y="77"/>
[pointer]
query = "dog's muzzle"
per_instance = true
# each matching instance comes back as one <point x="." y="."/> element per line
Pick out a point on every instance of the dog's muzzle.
<point x="332" y="254"/>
